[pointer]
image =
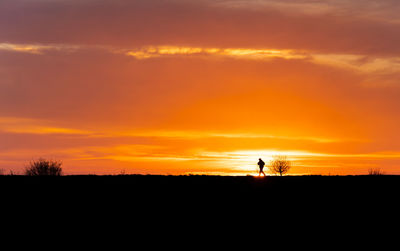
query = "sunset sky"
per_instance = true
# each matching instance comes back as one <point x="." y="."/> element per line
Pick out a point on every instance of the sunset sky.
<point x="200" y="86"/>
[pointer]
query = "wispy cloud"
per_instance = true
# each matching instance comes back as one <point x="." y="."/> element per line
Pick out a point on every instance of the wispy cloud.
<point x="355" y="62"/>
<point x="33" y="49"/>
<point x="386" y="10"/>
<point x="359" y="63"/>
<point x="37" y="48"/>
<point x="35" y="126"/>
<point x="190" y="135"/>
<point x="247" y="53"/>
<point x="326" y="26"/>
<point x="38" y="126"/>
<point x="161" y="51"/>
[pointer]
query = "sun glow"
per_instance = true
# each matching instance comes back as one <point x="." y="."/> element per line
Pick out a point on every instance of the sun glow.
<point x="245" y="162"/>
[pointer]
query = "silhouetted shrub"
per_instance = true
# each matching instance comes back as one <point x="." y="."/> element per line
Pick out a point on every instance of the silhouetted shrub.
<point x="42" y="167"/>
<point x="375" y="171"/>
<point x="12" y="173"/>
<point x="280" y="165"/>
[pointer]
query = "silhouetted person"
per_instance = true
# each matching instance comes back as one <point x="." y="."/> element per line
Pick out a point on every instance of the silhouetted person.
<point x="261" y="165"/>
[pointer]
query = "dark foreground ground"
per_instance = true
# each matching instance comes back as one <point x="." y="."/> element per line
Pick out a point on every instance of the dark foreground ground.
<point x="199" y="206"/>
<point x="201" y="188"/>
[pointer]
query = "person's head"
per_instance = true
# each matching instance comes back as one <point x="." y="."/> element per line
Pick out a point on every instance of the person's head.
<point x="259" y="159"/>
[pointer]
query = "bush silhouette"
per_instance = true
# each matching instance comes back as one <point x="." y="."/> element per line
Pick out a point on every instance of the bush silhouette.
<point x="280" y="165"/>
<point x="42" y="167"/>
<point x="375" y="171"/>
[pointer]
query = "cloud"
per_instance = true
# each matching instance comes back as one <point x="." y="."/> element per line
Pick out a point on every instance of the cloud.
<point x="40" y="49"/>
<point x="35" y="126"/>
<point x="34" y="49"/>
<point x="16" y="125"/>
<point x="240" y="53"/>
<point x="205" y="24"/>
<point x="378" y="10"/>
<point x="362" y="63"/>
<point x="355" y="62"/>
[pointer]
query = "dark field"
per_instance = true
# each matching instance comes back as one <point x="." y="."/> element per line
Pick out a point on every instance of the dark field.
<point x="198" y="187"/>
<point x="148" y="204"/>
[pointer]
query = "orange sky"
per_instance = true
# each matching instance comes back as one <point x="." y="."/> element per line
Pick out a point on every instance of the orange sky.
<point x="184" y="86"/>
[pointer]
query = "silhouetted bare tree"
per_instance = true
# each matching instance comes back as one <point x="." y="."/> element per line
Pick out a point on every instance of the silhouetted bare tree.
<point x="279" y="164"/>
<point x="42" y="167"/>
